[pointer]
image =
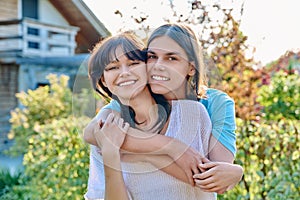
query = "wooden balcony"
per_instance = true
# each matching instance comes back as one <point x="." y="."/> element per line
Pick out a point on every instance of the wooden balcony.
<point x="31" y="38"/>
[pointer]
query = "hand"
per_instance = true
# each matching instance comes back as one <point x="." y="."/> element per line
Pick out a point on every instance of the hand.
<point x="111" y="133"/>
<point x="218" y="176"/>
<point x="189" y="161"/>
<point x="89" y="130"/>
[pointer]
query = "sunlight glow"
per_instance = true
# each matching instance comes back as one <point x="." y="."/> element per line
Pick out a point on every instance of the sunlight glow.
<point x="271" y="26"/>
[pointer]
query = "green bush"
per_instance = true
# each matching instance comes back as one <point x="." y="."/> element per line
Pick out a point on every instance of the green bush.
<point x="47" y="133"/>
<point x="281" y="98"/>
<point x="11" y="185"/>
<point x="57" y="161"/>
<point x="269" y="153"/>
<point x="40" y="106"/>
<point x="268" y="147"/>
<point x="56" y="158"/>
<point x="8" y="180"/>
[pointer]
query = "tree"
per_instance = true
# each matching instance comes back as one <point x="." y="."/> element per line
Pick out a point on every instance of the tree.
<point x="268" y="147"/>
<point x="226" y="49"/>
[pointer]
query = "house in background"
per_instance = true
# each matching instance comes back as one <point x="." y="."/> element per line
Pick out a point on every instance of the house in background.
<point x="38" y="37"/>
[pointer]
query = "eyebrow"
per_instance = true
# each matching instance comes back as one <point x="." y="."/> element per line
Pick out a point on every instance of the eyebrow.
<point x="169" y="53"/>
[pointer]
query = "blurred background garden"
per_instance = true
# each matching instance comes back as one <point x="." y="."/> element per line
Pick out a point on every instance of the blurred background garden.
<point x="46" y="127"/>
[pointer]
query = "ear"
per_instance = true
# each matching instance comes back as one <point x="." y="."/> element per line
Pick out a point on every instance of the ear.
<point x="103" y="81"/>
<point x="192" y="69"/>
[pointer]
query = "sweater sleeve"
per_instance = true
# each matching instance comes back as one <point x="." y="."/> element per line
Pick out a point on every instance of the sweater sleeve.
<point x="96" y="181"/>
<point x="221" y="110"/>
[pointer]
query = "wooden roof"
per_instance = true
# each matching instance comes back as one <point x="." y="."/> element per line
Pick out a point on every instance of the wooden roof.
<point x="77" y="13"/>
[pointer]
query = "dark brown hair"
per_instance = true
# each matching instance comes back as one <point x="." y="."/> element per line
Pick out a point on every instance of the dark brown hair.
<point x="103" y="53"/>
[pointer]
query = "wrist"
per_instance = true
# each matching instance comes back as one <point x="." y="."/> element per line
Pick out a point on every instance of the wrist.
<point x="109" y="151"/>
<point x="111" y="157"/>
<point x="175" y="149"/>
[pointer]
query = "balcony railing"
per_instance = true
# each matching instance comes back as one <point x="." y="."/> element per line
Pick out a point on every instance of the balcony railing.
<point x="33" y="38"/>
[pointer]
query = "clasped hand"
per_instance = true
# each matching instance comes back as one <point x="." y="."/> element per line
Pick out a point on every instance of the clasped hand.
<point x="112" y="132"/>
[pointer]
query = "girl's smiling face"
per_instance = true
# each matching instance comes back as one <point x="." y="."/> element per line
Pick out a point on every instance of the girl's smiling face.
<point x="168" y="68"/>
<point x="125" y="78"/>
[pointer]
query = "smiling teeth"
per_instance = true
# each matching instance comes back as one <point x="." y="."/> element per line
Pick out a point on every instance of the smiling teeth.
<point x="160" y="78"/>
<point x="126" y="83"/>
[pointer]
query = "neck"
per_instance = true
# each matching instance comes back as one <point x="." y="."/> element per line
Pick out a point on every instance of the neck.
<point x="178" y="93"/>
<point x="175" y="95"/>
<point x="144" y="107"/>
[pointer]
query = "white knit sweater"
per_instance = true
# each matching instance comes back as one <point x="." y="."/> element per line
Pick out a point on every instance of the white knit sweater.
<point x="189" y="123"/>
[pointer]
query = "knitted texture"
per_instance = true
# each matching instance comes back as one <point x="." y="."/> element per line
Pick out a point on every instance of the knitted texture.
<point x="189" y="123"/>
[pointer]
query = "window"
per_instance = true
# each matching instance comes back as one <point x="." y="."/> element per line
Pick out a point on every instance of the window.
<point x="33" y="31"/>
<point x="30" y="9"/>
<point x="33" y="45"/>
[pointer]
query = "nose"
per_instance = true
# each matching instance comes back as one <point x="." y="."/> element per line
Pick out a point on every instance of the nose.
<point x="159" y="65"/>
<point x="124" y="71"/>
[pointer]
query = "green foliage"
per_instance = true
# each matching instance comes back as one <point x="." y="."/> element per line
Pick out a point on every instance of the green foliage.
<point x="57" y="160"/>
<point x="281" y="98"/>
<point x="8" y="180"/>
<point x="47" y="133"/>
<point x="12" y="185"/>
<point x="41" y="106"/>
<point x="269" y="153"/>
<point x="268" y="149"/>
<point x="56" y="164"/>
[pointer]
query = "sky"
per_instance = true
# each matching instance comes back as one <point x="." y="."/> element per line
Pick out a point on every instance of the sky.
<point x="272" y="26"/>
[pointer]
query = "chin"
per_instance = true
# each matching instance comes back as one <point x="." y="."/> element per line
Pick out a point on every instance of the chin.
<point x="158" y="87"/>
<point x="159" y="91"/>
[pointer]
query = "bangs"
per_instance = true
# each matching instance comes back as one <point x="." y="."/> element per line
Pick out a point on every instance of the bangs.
<point x="107" y="51"/>
<point x="130" y="50"/>
<point x="133" y="52"/>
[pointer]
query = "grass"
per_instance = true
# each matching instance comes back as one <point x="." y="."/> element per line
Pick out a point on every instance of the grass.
<point x="8" y="180"/>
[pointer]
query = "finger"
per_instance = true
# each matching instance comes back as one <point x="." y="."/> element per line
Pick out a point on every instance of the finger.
<point x="201" y="183"/>
<point x="195" y="170"/>
<point x="126" y="127"/>
<point x="201" y="168"/>
<point x="198" y="176"/>
<point x="190" y="177"/>
<point x="110" y="118"/>
<point x="203" y="175"/>
<point x="208" y="165"/>
<point x="121" y="124"/>
<point x="198" y="183"/>
<point x="205" y="160"/>
<point x="115" y="118"/>
<point x="205" y="184"/>
<point x="191" y="180"/>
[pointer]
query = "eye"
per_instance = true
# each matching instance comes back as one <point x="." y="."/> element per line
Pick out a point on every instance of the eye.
<point x="133" y="63"/>
<point x="171" y="58"/>
<point x="111" y="67"/>
<point x="151" y="56"/>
